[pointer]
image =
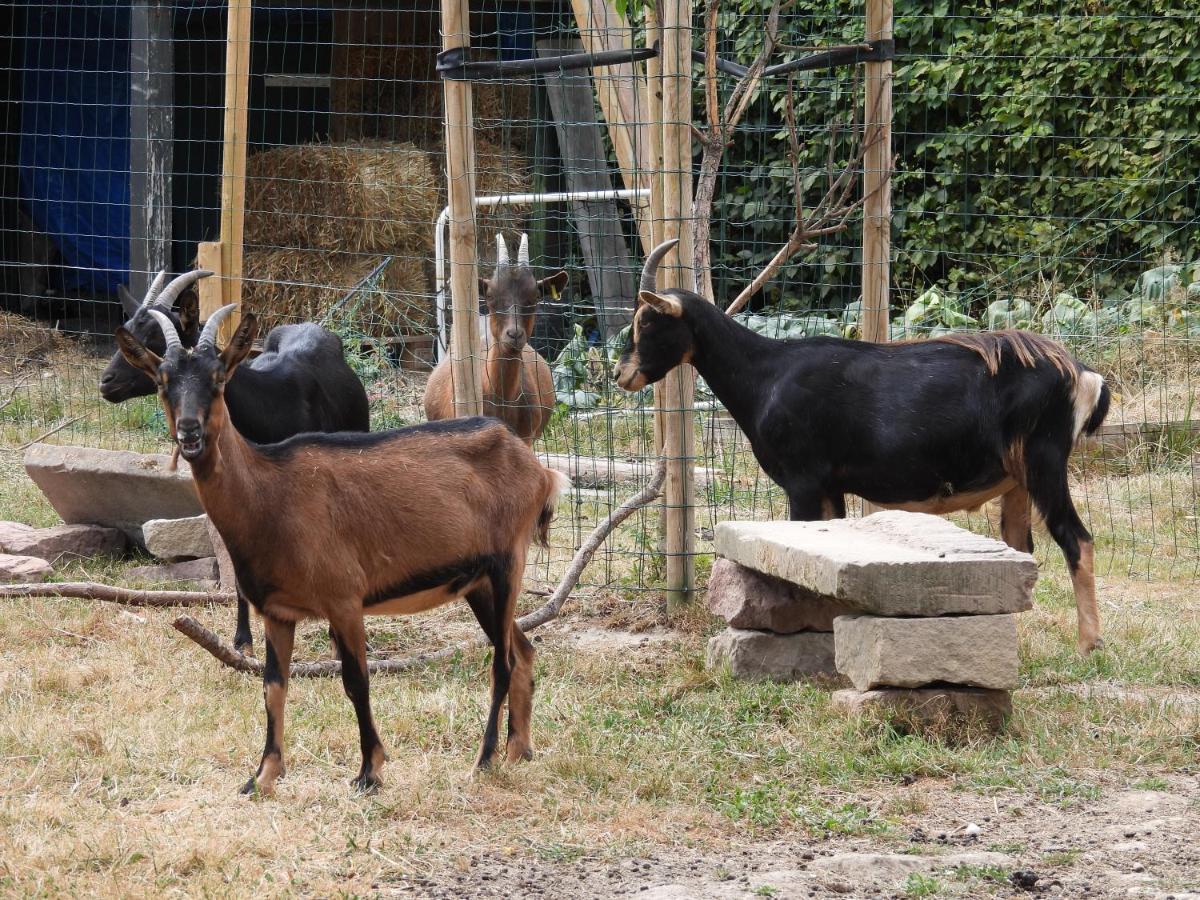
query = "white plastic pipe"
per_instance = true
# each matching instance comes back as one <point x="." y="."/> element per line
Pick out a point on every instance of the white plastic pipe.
<point x="443" y="220"/>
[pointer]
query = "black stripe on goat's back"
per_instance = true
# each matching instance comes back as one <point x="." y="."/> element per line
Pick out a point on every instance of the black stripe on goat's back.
<point x="358" y="440"/>
<point x="454" y="577"/>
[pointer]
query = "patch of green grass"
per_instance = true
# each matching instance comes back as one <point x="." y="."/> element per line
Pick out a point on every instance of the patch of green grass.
<point x="1151" y="784"/>
<point x="996" y="874"/>
<point x="918" y="885"/>
<point x="1062" y="858"/>
<point x="766" y="890"/>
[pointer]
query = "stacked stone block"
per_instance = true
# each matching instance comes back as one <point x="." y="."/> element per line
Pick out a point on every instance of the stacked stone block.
<point x="926" y="626"/>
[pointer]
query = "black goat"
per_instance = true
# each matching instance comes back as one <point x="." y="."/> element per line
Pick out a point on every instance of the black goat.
<point x="299" y="383"/>
<point x="935" y="425"/>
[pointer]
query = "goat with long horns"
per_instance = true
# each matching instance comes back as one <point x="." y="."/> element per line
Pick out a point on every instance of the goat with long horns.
<point x="338" y="526"/>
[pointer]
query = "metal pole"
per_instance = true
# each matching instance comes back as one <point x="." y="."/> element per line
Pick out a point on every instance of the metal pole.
<point x="465" y="368"/>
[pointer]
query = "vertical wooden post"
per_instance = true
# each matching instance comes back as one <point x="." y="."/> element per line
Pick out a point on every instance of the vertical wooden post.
<point x="233" y="157"/>
<point x="877" y="164"/>
<point x="678" y="393"/>
<point x="152" y="136"/>
<point x="466" y="371"/>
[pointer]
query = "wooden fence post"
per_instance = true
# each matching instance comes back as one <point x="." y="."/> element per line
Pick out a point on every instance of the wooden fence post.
<point x="152" y="136"/>
<point x="678" y="388"/>
<point x="466" y="371"/>
<point x="877" y="164"/>
<point x="233" y="160"/>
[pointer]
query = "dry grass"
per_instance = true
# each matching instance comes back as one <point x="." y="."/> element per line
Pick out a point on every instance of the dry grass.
<point x="368" y="198"/>
<point x="303" y="285"/>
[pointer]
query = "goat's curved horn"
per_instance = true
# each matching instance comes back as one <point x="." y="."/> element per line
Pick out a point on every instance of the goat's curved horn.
<point x="208" y="337"/>
<point x="501" y="253"/>
<point x="172" y="291"/>
<point x="156" y="287"/>
<point x="650" y="269"/>
<point x="170" y="335"/>
<point x="523" y="252"/>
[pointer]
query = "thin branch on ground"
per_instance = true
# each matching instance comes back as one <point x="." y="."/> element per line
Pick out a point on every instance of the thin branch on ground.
<point x="12" y="391"/>
<point x="91" y="590"/>
<point x="547" y="612"/>
<point x="45" y="434"/>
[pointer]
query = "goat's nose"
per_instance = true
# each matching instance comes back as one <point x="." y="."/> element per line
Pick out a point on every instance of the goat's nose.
<point x="188" y="426"/>
<point x="514" y="334"/>
<point x="107" y="377"/>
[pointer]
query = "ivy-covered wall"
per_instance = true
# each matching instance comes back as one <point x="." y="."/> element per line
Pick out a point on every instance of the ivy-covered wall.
<point x="1036" y="144"/>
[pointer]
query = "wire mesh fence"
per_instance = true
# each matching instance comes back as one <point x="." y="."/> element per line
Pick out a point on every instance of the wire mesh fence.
<point x="1045" y="178"/>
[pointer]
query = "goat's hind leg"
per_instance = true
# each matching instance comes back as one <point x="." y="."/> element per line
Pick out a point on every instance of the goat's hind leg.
<point x="489" y="601"/>
<point x="1049" y="489"/>
<point x="243" y="637"/>
<point x="279" y="639"/>
<point x="350" y="637"/>
<point x="1015" y="520"/>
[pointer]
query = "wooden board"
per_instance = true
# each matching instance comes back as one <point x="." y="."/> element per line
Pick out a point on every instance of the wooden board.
<point x="585" y="162"/>
<point x="152" y="137"/>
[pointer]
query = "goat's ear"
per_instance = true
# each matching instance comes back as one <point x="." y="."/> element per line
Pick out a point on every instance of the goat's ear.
<point x="553" y="285"/>
<point x="668" y="306"/>
<point x="189" y="318"/>
<point x="128" y="303"/>
<point x="136" y="354"/>
<point x="239" y="345"/>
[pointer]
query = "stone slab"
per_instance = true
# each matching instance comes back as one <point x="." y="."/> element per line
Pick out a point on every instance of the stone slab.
<point x="178" y="539"/>
<point x="977" y="651"/>
<point x="889" y="564"/>
<point x="117" y="488"/>
<point x="61" y="542"/>
<point x="930" y="707"/>
<point x="748" y="599"/>
<point x="22" y="569"/>
<point x="761" y="655"/>
<point x="197" y="571"/>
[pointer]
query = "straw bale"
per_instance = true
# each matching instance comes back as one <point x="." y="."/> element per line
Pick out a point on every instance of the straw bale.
<point x="373" y="198"/>
<point x="24" y="339"/>
<point x="303" y="285"/>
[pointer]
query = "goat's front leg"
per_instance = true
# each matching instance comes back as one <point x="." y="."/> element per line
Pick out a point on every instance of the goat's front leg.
<point x="279" y="639"/>
<point x="351" y="640"/>
<point x="243" y="637"/>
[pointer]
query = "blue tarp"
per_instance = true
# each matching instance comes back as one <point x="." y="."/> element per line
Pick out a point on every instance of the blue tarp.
<point x="75" y="137"/>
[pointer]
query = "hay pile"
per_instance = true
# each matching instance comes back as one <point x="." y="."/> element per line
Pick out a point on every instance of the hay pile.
<point x="23" y="340"/>
<point x="303" y="285"/>
<point x="377" y="198"/>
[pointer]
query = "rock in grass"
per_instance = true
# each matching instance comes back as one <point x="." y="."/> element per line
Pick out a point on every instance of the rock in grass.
<point x="178" y="539"/>
<point x="888" y="564"/>
<point x="931" y="709"/>
<point x="23" y="569"/>
<point x="61" y="543"/>
<point x="751" y="600"/>
<point x="111" y="487"/>
<point x="978" y="651"/>
<point x="762" y="655"/>
<point x="200" y="572"/>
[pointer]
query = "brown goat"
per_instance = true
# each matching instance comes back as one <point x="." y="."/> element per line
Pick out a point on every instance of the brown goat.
<point x="335" y="526"/>
<point x="517" y="387"/>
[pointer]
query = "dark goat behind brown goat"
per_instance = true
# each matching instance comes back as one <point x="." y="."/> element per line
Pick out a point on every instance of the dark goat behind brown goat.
<point x="335" y="526"/>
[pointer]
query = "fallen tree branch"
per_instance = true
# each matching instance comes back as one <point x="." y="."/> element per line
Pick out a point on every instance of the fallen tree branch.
<point x="547" y="612"/>
<point x="91" y="590"/>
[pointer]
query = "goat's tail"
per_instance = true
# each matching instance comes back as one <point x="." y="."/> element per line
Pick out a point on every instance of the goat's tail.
<point x="1090" y="398"/>
<point x="556" y="482"/>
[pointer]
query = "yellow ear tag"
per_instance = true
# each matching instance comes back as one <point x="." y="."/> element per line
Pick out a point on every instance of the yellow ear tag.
<point x="553" y="292"/>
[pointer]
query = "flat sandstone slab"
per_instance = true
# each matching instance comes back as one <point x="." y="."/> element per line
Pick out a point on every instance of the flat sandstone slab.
<point x="111" y="487"/>
<point x="931" y="707"/>
<point x="890" y="563"/>
<point x="748" y="599"/>
<point x="978" y="651"/>
<point x="761" y="655"/>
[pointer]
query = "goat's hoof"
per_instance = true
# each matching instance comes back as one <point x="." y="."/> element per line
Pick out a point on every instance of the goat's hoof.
<point x="250" y="788"/>
<point x="517" y="754"/>
<point x="246" y="649"/>
<point x="365" y="784"/>
<point x="1085" y="649"/>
